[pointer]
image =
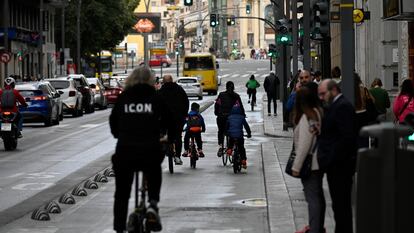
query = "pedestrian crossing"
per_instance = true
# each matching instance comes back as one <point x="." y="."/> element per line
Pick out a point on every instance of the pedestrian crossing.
<point x="244" y="75"/>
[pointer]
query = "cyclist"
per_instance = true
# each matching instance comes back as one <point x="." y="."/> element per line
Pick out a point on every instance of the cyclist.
<point x="9" y="96"/>
<point x="251" y="86"/>
<point x="235" y="123"/>
<point x="136" y="121"/>
<point x="222" y="108"/>
<point x="195" y="126"/>
<point x="177" y="101"/>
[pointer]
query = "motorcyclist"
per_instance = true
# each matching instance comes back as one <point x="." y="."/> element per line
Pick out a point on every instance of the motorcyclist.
<point x="137" y="119"/>
<point x="9" y="96"/>
<point x="222" y="109"/>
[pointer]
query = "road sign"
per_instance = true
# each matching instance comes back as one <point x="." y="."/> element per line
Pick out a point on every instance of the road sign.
<point x="5" y="57"/>
<point x="358" y="15"/>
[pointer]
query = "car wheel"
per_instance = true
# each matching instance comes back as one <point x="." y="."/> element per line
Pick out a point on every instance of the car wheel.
<point x="164" y="64"/>
<point x="80" y="110"/>
<point x="56" y="120"/>
<point x="49" y="120"/>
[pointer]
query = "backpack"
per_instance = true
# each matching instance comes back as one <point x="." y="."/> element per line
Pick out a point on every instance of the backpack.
<point x="8" y="99"/>
<point x="194" y="123"/>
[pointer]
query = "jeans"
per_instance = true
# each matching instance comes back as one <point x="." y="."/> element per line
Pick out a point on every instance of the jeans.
<point x="312" y="186"/>
<point x="124" y="178"/>
<point x="178" y="140"/>
<point x="221" y="125"/>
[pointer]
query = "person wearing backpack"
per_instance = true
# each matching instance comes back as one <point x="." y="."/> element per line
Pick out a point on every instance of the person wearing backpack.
<point x="9" y="96"/>
<point x="195" y="126"/>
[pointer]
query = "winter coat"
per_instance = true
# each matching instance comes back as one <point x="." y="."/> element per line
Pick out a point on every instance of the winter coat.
<point x="382" y="99"/>
<point x="137" y="119"/>
<point x="235" y="123"/>
<point x="225" y="102"/>
<point x="176" y="99"/>
<point x="399" y="103"/>
<point x="271" y="85"/>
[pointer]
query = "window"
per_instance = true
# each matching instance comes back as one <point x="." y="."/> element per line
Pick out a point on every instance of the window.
<point x="198" y="63"/>
<point x="250" y="39"/>
<point x="60" y="84"/>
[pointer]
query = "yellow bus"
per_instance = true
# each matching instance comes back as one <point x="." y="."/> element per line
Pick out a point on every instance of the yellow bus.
<point x="202" y="65"/>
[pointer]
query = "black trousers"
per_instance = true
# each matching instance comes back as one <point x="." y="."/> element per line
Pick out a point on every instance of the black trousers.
<point x="240" y="143"/>
<point x="221" y="125"/>
<point x="252" y="94"/>
<point x="123" y="182"/>
<point x="178" y="140"/>
<point x="270" y="99"/>
<point x="197" y="138"/>
<point x="340" y="187"/>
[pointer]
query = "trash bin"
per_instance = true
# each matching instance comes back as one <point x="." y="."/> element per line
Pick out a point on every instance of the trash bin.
<point x="385" y="178"/>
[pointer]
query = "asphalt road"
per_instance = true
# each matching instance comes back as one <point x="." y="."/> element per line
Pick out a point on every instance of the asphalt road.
<point x="51" y="161"/>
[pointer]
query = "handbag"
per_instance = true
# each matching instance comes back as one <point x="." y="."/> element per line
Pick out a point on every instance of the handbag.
<point x="372" y="112"/>
<point x="306" y="169"/>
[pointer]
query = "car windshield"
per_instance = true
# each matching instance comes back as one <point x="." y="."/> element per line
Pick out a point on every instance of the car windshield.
<point x="60" y="84"/>
<point x="112" y="83"/>
<point x="198" y="63"/>
<point x="187" y="81"/>
<point x="92" y="80"/>
<point x="30" y="93"/>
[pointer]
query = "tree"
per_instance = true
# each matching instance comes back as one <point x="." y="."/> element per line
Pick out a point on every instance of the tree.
<point x="103" y="24"/>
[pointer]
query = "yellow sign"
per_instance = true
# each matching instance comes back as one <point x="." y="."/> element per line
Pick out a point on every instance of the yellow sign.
<point x="358" y="15"/>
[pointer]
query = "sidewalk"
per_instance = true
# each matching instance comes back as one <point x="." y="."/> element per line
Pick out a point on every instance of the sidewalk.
<point x="286" y="202"/>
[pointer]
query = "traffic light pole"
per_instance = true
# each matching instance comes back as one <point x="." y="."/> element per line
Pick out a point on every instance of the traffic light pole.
<point x="348" y="49"/>
<point x="294" y="36"/>
<point x="306" y="35"/>
<point x="271" y="63"/>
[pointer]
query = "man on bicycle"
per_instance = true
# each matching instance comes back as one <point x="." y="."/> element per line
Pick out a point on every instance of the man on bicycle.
<point x="222" y="108"/>
<point x="177" y="102"/>
<point x="137" y="119"/>
<point x="251" y="86"/>
<point x="235" y="123"/>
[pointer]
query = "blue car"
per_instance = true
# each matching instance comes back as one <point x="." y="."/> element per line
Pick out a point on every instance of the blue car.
<point x="44" y="104"/>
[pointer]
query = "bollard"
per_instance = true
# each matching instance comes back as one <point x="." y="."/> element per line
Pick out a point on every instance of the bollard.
<point x="384" y="190"/>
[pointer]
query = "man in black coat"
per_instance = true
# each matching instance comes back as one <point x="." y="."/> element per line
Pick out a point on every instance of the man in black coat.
<point x="222" y="109"/>
<point x="137" y="119"/>
<point x="337" y="150"/>
<point x="177" y="101"/>
<point x="271" y="86"/>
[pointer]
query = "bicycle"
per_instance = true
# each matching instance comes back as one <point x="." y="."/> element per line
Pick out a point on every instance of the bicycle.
<point x="237" y="161"/>
<point x="137" y="219"/>
<point x="224" y="156"/>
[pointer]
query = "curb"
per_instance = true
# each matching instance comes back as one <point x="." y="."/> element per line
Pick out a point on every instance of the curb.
<point x="206" y="106"/>
<point x="279" y="207"/>
<point x="268" y="124"/>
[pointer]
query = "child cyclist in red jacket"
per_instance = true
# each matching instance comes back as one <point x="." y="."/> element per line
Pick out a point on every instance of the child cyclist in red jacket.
<point x="195" y="126"/>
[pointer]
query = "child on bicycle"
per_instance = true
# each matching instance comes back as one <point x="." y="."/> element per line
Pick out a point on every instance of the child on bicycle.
<point x="195" y="126"/>
<point x="235" y="123"/>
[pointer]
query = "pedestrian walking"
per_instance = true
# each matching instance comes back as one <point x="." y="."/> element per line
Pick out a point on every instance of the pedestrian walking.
<point x="136" y="121"/>
<point x="251" y="86"/>
<point x="382" y="99"/>
<point x="178" y="104"/>
<point x="337" y="151"/>
<point x="271" y="85"/>
<point x="404" y="103"/>
<point x="308" y="125"/>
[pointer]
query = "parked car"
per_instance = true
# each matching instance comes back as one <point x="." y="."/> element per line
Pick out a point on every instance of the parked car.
<point x="191" y="86"/>
<point x="113" y="88"/>
<point x="99" y="92"/>
<point x="44" y="104"/>
<point x="159" y="60"/>
<point x="82" y="85"/>
<point x="121" y="79"/>
<point x="70" y="96"/>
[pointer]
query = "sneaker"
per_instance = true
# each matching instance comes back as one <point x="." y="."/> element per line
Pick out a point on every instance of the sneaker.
<point x="275" y="114"/>
<point x="178" y="161"/>
<point x="269" y="114"/>
<point x="153" y="219"/>
<point x="185" y="154"/>
<point x="220" y="152"/>
<point x="19" y="135"/>
<point x="248" y="102"/>
<point x="244" y="164"/>
<point x="200" y="153"/>
<point x="229" y="152"/>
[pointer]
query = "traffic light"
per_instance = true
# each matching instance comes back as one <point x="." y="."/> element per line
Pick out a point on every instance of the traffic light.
<point x="248" y="7"/>
<point x="272" y="50"/>
<point x="283" y="27"/>
<point x="228" y="21"/>
<point x="320" y="24"/>
<point x="188" y="2"/>
<point x="213" y="20"/>
<point x="233" y="20"/>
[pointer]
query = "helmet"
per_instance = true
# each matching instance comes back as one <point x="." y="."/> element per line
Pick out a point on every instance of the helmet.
<point x="9" y="82"/>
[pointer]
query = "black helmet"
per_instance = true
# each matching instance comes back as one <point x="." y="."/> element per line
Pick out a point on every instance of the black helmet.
<point x="9" y="82"/>
<point x="230" y="86"/>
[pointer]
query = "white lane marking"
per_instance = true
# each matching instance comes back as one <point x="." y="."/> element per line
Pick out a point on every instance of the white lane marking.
<point x="62" y="125"/>
<point x="225" y="75"/>
<point x="251" y="71"/>
<point x="90" y="125"/>
<point x="218" y="231"/>
<point x="42" y="175"/>
<point x="235" y="75"/>
<point x="16" y="175"/>
<point x="245" y="75"/>
<point x="262" y="69"/>
<point x="32" y="186"/>
<point x="34" y="230"/>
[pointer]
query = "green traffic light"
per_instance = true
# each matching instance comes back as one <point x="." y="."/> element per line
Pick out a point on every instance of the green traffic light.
<point x="284" y="39"/>
<point x="411" y="137"/>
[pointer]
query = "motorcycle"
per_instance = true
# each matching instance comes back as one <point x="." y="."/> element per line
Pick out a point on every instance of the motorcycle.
<point x="9" y="131"/>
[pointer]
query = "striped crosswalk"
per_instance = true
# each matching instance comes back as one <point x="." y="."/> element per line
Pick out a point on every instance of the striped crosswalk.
<point x="244" y="75"/>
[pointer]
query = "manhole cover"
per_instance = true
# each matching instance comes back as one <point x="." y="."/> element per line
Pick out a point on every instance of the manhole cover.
<point x="254" y="202"/>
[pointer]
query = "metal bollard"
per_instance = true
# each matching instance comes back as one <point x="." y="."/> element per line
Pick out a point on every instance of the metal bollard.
<point x="384" y="190"/>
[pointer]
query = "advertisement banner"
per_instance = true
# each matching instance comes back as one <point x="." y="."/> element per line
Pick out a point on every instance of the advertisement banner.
<point x="149" y="23"/>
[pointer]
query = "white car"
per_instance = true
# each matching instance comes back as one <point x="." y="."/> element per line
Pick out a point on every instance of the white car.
<point x="191" y="86"/>
<point x="71" y="97"/>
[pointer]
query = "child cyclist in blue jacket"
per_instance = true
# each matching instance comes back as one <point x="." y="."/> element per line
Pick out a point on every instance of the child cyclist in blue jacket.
<point x="235" y="123"/>
<point x="195" y="126"/>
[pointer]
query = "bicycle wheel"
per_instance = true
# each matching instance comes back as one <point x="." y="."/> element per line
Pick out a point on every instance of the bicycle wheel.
<point x="236" y="162"/>
<point x="224" y="158"/>
<point x="193" y="161"/>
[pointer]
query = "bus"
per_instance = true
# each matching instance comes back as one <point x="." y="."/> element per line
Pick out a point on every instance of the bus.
<point x="106" y="64"/>
<point x="204" y="66"/>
